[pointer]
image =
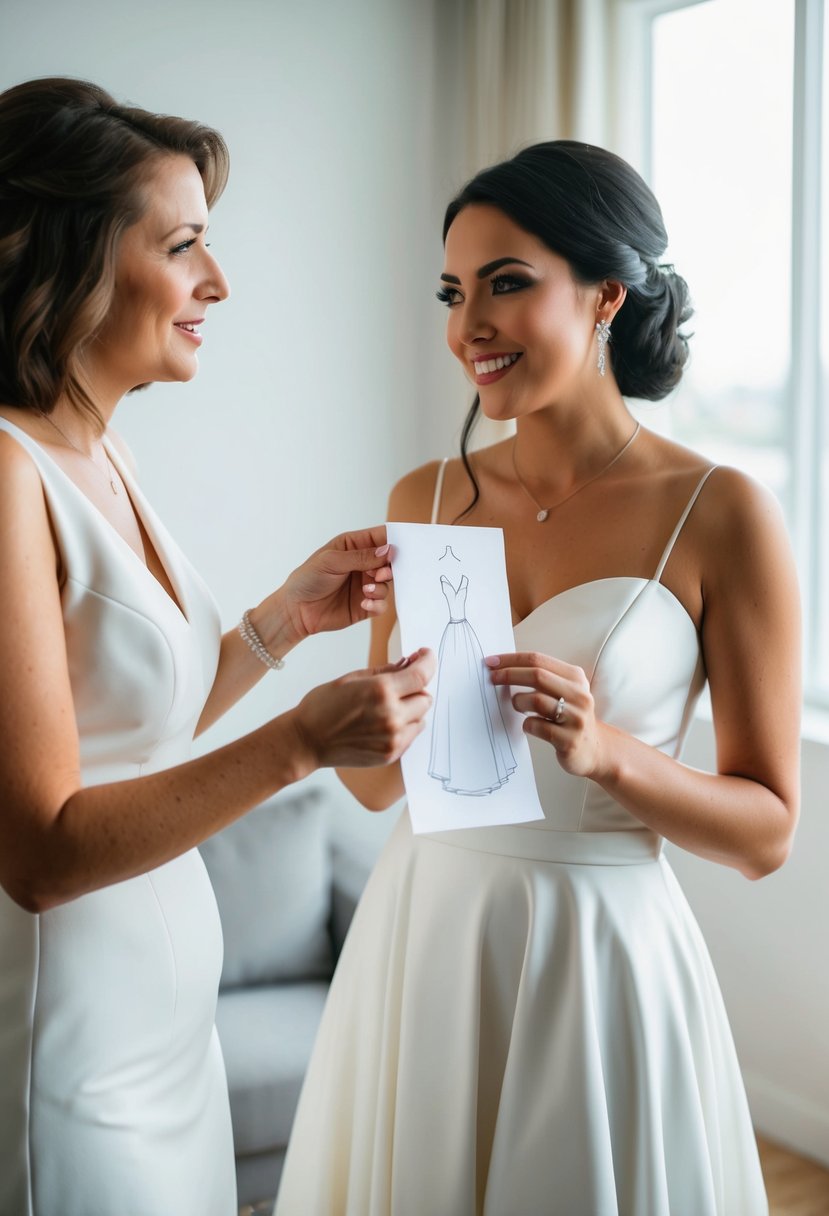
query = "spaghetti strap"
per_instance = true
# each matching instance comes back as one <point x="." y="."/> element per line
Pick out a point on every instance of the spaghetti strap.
<point x="438" y="490"/>
<point x="669" y="547"/>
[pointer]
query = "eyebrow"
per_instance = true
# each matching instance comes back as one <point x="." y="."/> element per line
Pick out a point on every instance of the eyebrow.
<point x="197" y="228"/>
<point x="488" y="269"/>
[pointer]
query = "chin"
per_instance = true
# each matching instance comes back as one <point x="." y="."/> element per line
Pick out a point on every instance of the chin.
<point x="498" y="412"/>
<point x="179" y="373"/>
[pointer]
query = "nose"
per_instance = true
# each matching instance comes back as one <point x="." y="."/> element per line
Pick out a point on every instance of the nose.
<point x="214" y="286"/>
<point x="473" y="325"/>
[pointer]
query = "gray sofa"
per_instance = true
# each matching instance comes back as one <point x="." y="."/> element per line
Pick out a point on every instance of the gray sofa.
<point x="286" y="891"/>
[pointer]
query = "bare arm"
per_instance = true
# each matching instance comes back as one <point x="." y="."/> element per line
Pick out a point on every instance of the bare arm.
<point x="344" y="581"/>
<point x="59" y="840"/>
<point x="745" y="815"/>
<point x="409" y="502"/>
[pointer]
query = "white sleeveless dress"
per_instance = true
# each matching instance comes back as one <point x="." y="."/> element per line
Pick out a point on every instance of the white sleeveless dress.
<point x="525" y="1020"/>
<point x="113" y="1099"/>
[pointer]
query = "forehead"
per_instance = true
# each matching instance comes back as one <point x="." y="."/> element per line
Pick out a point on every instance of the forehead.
<point x="481" y="233"/>
<point x="173" y="195"/>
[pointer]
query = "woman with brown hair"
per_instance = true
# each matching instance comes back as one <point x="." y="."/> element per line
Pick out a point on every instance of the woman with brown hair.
<point x="111" y="658"/>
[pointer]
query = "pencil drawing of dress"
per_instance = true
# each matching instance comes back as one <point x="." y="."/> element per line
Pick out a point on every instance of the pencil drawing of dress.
<point x="471" y="752"/>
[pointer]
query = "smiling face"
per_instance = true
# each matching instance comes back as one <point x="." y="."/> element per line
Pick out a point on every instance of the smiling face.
<point x="522" y="327"/>
<point x="165" y="280"/>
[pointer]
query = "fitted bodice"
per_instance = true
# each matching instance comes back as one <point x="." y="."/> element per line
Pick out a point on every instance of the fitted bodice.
<point x="455" y="596"/>
<point x="641" y="653"/>
<point x="140" y="668"/>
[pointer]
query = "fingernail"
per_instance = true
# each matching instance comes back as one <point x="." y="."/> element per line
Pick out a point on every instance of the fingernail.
<point x="368" y="587"/>
<point x="492" y="660"/>
<point x="366" y="604"/>
<point x="382" y="551"/>
<point x="402" y="662"/>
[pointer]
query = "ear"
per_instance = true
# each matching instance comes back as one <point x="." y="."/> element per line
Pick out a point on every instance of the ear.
<point x="611" y="297"/>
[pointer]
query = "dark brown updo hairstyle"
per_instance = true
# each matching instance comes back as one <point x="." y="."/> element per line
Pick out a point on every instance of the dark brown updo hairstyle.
<point x="72" y="162"/>
<point x="594" y="210"/>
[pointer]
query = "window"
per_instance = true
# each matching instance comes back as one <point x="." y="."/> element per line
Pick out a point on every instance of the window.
<point x="732" y="145"/>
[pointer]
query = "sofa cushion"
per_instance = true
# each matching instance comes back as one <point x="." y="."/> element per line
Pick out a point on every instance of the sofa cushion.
<point x="271" y="872"/>
<point x="266" y="1036"/>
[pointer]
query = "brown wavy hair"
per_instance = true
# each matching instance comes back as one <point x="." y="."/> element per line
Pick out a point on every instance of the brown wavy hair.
<point x="72" y="163"/>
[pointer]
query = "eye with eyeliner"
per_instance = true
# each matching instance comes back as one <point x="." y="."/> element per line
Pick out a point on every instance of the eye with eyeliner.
<point x="183" y="247"/>
<point x="500" y="285"/>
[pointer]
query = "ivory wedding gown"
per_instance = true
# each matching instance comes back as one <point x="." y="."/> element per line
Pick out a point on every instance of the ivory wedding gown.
<point x="525" y="1020"/>
<point x="113" y="1099"/>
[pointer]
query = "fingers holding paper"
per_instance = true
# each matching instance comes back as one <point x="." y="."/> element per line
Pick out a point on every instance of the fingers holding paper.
<point x="344" y="581"/>
<point x="558" y="704"/>
<point x="368" y="717"/>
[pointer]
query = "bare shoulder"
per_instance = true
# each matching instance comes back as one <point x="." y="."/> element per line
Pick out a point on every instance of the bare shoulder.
<point x="26" y="535"/>
<point x="411" y="498"/>
<point x="735" y="507"/>
<point x="731" y="504"/>
<point x="743" y="536"/>
<point x="18" y="471"/>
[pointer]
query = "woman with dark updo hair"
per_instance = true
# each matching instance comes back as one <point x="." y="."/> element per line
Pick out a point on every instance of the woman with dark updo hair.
<point x="525" y="1020"/>
<point x="113" y="1099"/>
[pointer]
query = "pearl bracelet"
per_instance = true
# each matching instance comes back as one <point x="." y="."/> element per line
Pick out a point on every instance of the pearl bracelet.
<point x="253" y="640"/>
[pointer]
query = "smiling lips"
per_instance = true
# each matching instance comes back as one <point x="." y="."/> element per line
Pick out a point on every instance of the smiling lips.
<point x="487" y="371"/>
<point x="189" y="329"/>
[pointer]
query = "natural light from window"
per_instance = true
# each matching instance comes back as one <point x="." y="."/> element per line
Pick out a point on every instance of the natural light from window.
<point x="721" y="168"/>
<point x="727" y="79"/>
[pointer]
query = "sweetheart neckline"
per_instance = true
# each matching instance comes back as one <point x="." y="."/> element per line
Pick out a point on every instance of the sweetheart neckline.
<point x="616" y="578"/>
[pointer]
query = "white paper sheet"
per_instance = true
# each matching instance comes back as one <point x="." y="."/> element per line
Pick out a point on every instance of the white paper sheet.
<point x="471" y="766"/>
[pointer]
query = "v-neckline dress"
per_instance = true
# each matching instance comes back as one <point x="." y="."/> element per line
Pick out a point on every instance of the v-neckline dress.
<point x="525" y="1020"/>
<point x="114" y="1097"/>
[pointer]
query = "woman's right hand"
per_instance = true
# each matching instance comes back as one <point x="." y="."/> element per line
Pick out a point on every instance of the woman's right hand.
<point x="368" y="717"/>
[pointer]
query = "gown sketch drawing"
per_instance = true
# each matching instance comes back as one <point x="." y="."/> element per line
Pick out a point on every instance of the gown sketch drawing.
<point x="470" y="752"/>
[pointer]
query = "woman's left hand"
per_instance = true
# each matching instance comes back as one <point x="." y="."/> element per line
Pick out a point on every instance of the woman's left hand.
<point x="558" y="704"/>
<point x="342" y="582"/>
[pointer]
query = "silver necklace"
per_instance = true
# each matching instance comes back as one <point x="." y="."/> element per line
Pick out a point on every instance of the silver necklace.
<point x="543" y="512"/>
<point x="108" y="472"/>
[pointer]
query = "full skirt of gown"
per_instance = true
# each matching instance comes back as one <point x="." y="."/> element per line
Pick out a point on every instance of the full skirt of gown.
<point x="525" y="1020"/>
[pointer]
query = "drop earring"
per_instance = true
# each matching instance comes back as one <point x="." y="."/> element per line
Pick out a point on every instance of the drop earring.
<point x="602" y="337"/>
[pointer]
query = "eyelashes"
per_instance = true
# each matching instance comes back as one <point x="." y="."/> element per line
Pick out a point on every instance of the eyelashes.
<point x="185" y="245"/>
<point x="501" y="285"/>
<point x="447" y="295"/>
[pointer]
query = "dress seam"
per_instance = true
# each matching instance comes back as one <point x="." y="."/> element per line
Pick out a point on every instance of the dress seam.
<point x="649" y="583"/>
<point x="29" y="1171"/>
<point x="111" y="599"/>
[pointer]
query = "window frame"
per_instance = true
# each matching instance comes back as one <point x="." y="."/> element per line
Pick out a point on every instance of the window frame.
<point x="631" y="85"/>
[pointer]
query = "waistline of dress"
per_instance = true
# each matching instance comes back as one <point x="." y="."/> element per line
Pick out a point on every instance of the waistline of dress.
<point x="627" y="848"/>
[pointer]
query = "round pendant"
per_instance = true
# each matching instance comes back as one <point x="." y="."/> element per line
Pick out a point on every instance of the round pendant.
<point x="541" y="516"/>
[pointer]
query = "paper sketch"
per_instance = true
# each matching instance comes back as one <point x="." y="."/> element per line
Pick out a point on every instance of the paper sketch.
<point x="471" y="765"/>
<point x="470" y="752"/>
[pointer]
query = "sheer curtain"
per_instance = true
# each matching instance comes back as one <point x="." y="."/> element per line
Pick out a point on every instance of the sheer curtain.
<point x="534" y="70"/>
<point x="515" y="72"/>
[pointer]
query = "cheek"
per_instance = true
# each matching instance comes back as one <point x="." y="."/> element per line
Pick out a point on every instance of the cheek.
<point x="453" y="338"/>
